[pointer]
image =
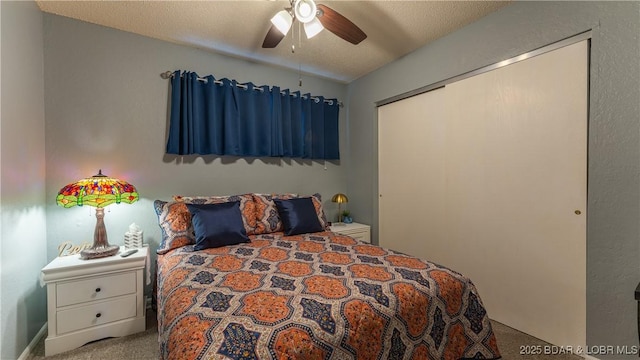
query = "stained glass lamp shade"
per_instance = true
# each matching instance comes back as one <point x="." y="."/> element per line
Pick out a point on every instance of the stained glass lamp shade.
<point x="98" y="191"/>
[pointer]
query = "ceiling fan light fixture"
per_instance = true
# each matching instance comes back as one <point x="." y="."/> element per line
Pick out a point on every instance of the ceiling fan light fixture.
<point x="305" y="10"/>
<point x="312" y="28"/>
<point x="282" y="21"/>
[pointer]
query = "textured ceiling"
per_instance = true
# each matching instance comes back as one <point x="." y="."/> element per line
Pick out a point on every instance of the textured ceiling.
<point x="394" y="28"/>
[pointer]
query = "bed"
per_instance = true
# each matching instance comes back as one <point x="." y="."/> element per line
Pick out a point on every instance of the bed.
<point x="306" y="293"/>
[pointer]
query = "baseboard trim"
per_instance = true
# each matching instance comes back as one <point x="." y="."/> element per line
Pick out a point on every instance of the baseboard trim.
<point x="29" y="349"/>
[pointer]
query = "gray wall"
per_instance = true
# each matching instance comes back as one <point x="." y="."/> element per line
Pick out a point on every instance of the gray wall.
<point x="106" y="108"/>
<point x="23" y="246"/>
<point x="613" y="230"/>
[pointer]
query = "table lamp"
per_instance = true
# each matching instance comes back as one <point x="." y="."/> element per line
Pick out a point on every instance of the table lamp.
<point x="340" y="198"/>
<point x="98" y="191"/>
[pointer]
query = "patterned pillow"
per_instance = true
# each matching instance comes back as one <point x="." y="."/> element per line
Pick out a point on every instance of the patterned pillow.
<point x="268" y="220"/>
<point x="174" y="220"/>
<point x="247" y="207"/>
<point x="317" y="203"/>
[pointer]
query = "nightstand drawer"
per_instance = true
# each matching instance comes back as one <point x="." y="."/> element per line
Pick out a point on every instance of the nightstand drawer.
<point x="360" y="232"/>
<point x="96" y="314"/>
<point x="96" y="288"/>
<point x="358" y="235"/>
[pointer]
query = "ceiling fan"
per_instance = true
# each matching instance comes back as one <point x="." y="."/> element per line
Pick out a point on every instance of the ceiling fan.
<point x="314" y="18"/>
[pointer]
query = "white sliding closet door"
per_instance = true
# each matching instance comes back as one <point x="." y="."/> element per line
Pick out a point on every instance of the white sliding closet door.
<point x="412" y="135"/>
<point x="488" y="176"/>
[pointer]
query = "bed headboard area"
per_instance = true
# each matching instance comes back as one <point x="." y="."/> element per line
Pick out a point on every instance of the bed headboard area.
<point x="182" y="220"/>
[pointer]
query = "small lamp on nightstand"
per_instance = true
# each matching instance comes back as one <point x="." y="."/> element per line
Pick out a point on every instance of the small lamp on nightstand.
<point x="340" y="199"/>
<point x="98" y="191"/>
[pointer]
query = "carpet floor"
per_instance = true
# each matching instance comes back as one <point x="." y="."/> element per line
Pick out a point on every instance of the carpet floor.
<point x="144" y="346"/>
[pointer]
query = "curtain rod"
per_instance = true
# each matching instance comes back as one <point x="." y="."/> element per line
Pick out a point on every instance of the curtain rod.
<point x="169" y="74"/>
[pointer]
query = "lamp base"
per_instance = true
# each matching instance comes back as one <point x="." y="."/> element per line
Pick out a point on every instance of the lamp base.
<point x="101" y="247"/>
<point x="94" y="253"/>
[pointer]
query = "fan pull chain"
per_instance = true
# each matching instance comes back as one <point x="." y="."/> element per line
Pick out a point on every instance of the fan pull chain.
<point x="293" y="40"/>
<point x="300" y="74"/>
<point x="299" y="32"/>
<point x="293" y="47"/>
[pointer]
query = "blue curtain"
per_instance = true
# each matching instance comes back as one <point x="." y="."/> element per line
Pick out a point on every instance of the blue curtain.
<point x="222" y="118"/>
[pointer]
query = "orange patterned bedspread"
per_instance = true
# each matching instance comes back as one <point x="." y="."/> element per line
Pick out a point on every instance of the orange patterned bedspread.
<point x="316" y="296"/>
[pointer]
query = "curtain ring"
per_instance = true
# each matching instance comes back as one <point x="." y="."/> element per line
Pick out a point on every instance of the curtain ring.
<point x="317" y="100"/>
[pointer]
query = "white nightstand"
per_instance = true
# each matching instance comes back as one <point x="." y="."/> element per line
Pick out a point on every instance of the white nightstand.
<point x="357" y="231"/>
<point x="93" y="299"/>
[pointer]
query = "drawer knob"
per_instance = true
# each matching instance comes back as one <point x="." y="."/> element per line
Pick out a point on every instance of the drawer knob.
<point x="98" y="315"/>
<point x="98" y="289"/>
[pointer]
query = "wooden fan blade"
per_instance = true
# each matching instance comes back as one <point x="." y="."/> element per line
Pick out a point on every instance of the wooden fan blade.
<point x="340" y="25"/>
<point x="273" y="38"/>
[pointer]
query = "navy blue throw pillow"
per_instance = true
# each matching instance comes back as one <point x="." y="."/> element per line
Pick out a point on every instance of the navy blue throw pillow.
<point x="217" y="225"/>
<point x="298" y="216"/>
